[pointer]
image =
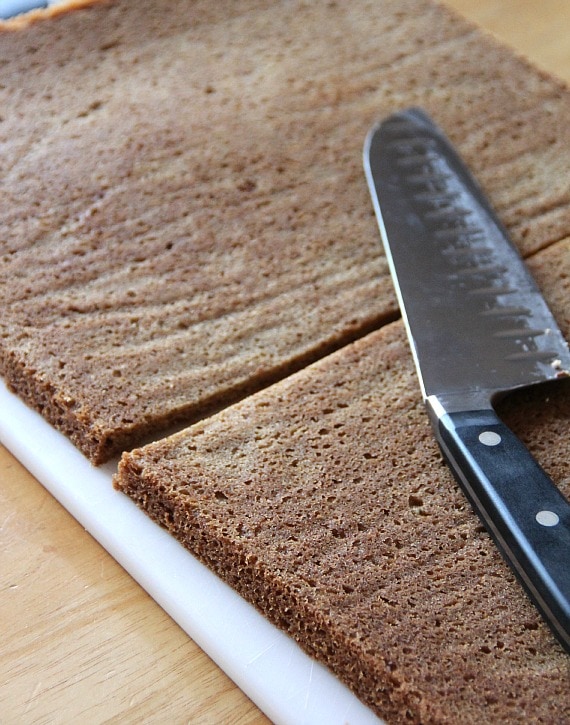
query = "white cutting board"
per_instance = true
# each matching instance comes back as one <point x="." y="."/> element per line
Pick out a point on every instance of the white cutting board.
<point x="286" y="684"/>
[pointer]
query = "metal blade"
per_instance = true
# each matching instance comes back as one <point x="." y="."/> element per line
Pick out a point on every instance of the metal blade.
<point x="478" y="325"/>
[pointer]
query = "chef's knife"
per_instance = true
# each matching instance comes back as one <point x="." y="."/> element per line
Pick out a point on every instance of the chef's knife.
<point x="478" y="326"/>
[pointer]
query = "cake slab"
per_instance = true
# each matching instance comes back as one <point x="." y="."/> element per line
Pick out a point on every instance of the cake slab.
<point x="286" y="684"/>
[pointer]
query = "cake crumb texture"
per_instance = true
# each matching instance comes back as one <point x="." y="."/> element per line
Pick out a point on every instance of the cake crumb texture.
<point x="183" y="213"/>
<point x="325" y="502"/>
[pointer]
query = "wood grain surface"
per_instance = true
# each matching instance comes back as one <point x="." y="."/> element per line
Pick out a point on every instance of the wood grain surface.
<point x="81" y="640"/>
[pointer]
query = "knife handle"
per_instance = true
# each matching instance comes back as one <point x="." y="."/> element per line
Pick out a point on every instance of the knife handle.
<point x="525" y="513"/>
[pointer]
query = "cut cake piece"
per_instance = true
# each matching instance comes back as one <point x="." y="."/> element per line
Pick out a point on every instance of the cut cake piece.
<point x="183" y="211"/>
<point x="324" y="501"/>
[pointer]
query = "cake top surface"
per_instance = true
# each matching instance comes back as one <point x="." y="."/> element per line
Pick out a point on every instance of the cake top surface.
<point x="184" y="213"/>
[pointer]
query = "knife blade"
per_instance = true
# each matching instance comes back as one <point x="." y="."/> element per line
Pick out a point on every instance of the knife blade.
<point x="478" y="327"/>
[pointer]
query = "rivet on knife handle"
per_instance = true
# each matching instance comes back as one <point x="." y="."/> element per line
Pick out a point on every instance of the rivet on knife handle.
<point x="478" y="327"/>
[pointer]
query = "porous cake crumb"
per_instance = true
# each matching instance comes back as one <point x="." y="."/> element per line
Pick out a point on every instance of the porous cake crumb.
<point x="324" y="501"/>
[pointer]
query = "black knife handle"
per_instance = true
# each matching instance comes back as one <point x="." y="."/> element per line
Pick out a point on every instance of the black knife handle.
<point x="525" y="513"/>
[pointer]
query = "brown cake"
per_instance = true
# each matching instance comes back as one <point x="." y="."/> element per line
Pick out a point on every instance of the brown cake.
<point x="325" y="502"/>
<point x="185" y="220"/>
<point x="183" y="210"/>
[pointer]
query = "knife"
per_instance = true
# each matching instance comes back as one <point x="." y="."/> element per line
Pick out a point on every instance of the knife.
<point x="478" y="327"/>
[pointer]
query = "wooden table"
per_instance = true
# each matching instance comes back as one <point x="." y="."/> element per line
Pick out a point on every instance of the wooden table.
<point x="81" y="641"/>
